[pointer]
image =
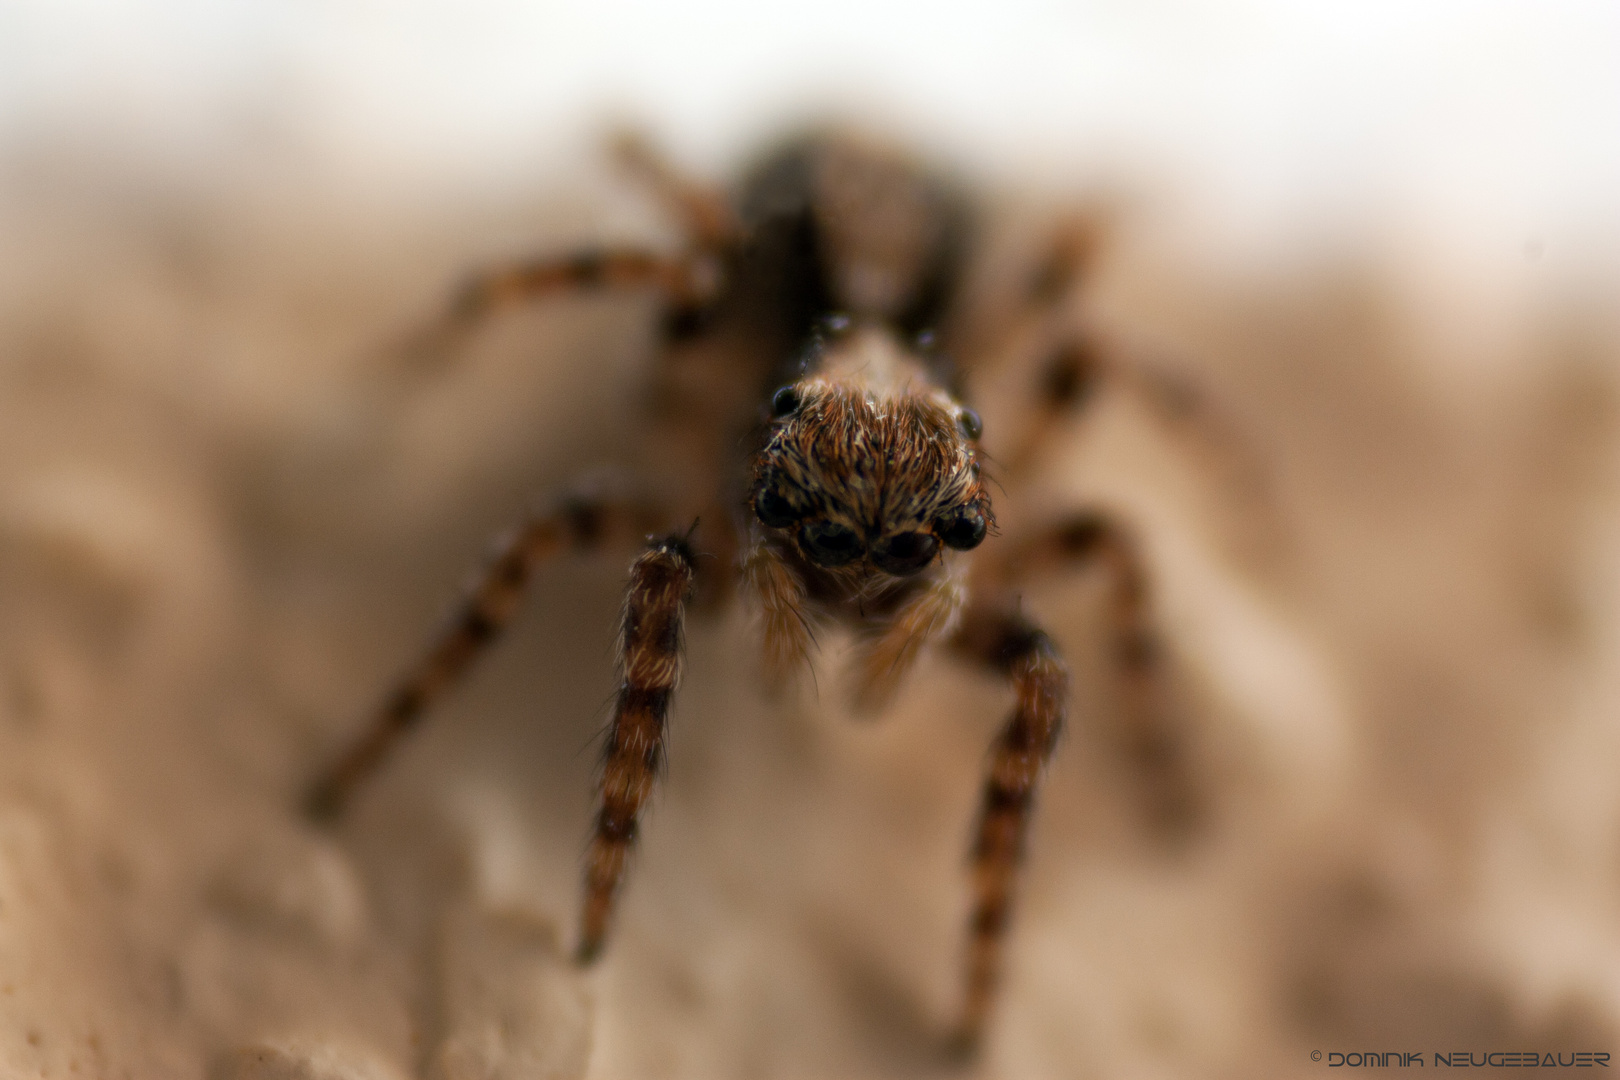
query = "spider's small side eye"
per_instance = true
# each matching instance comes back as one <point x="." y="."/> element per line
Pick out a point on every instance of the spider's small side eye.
<point x="828" y="544"/>
<point x="962" y="530"/>
<point x="774" y="510"/>
<point x="784" y="401"/>
<point x="970" y="424"/>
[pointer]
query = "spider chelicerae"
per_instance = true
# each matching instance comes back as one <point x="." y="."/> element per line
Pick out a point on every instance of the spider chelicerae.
<point x="816" y="339"/>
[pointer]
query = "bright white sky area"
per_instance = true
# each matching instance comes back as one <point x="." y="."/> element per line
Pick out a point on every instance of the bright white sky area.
<point x="1439" y="114"/>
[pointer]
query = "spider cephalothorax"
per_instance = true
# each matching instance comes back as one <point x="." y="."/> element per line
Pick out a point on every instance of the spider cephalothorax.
<point x="853" y="498"/>
<point x="868" y="465"/>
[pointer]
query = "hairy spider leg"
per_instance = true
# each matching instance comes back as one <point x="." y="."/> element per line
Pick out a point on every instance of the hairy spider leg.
<point x="1075" y="363"/>
<point x="1071" y="250"/>
<point x="1023" y="653"/>
<point x="1210" y="435"/>
<point x="650" y="663"/>
<point x="1071" y="371"/>
<point x="703" y="209"/>
<point x="579" y="524"/>
<point x="690" y="281"/>
<point x="1029" y="299"/>
<point x="1147" y="733"/>
<point x="1078" y="364"/>
<point x="1038" y="319"/>
<point x="594" y="268"/>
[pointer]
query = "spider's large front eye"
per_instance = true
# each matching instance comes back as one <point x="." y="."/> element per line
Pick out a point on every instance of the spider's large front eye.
<point x="774" y="510"/>
<point x="962" y="530"/>
<point x="905" y="553"/>
<point x="828" y="544"/>
<point x="970" y="424"/>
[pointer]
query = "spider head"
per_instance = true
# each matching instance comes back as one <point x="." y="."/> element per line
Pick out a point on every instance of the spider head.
<point x="868" y="466"/>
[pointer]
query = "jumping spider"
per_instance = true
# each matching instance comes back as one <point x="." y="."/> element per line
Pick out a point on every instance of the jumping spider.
<point x="832" y="290"/>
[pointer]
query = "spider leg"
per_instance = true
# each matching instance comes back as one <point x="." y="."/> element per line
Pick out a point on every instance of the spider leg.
<point x="1025" y="655"/>
<point x="1070" y="250"/>
<point x="650" y="658"/>
<point x="1035" y="317"/>
<point x="527" y="282"/>
<point x="580" y="524"/>
<point x="1079" y="365"/>
<point x="689" y="281"/>
<point x="1190" y="416"/>
<point x="703" y="209"/>
<point x="1024" y="297"/>
<point x="1067" y="380"/>
<point x="1147" y="733"/>
<point x="1074" y="364"/>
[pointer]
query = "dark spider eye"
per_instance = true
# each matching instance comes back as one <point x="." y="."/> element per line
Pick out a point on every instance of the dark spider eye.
<point x="962" y="530"/>
<point x="970" y="424"/>
<point x="784" y="401"/>
<point x="905" y="553"/>
<point x="828" y="544"/>
<point x="773" y="509"/>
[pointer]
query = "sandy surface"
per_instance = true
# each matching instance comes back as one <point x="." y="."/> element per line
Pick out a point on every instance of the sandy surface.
<point x="228" y="517"/>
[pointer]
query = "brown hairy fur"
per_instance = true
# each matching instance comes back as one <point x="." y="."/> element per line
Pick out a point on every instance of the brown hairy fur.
<point x="650" y="660"/>
<point x="878" y="463"/>
<point x="1026" y="656"/>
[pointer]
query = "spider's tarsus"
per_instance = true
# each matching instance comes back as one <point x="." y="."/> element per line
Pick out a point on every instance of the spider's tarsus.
<point x="962" y="1048"/>
<point x="323" y="804"/>
<point x="426" y="349"/>
<point x="588" y="952"/>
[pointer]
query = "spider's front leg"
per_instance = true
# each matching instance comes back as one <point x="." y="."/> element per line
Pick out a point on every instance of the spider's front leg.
<point x="580" y="524"/>
<point x="1147" y="732"/>
<point x="650" y="658"/>
<point x="1023" y="653"/>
